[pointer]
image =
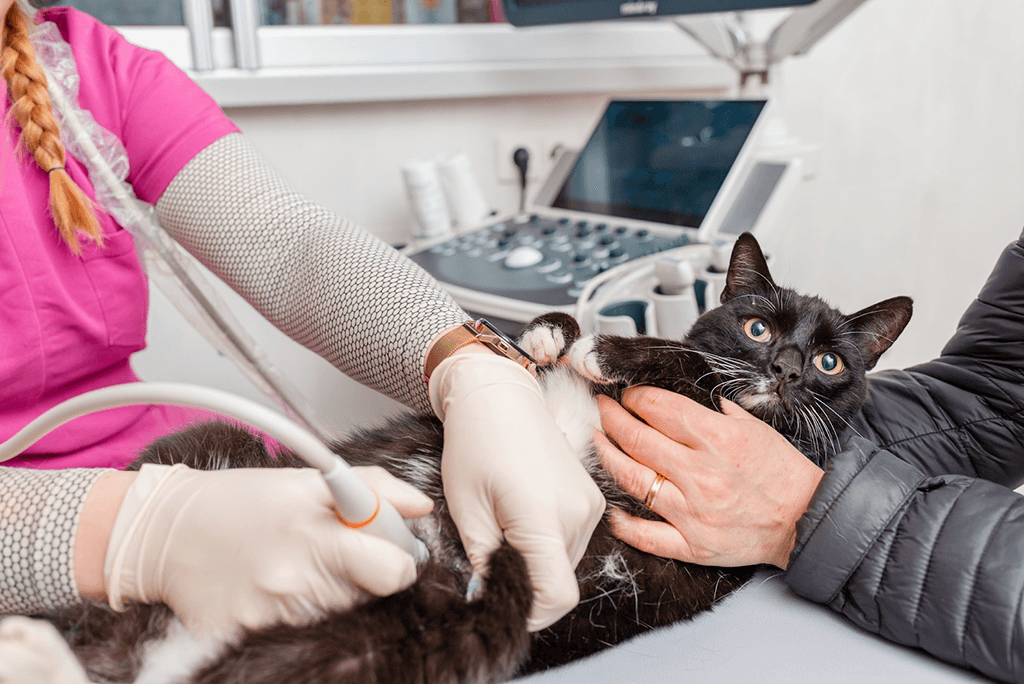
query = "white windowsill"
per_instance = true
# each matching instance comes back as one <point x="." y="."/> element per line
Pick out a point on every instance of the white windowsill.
<point x="321" y="85"/>
<point x="318" y="65"/>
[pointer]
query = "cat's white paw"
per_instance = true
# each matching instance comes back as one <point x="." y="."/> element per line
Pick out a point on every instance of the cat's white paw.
<point x="544" y="343"/>
<point x="33" y="652"/>
<point x="583" y="359"/>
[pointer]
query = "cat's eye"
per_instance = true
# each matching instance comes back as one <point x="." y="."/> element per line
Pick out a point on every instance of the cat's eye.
<point x="757" y="330"/>
<point x="829" y="363"/>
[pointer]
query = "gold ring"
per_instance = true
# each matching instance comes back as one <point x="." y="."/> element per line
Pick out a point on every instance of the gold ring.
<point x="653" y="491"/>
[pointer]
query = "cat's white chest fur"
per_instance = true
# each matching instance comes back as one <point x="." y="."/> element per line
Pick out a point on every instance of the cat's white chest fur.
<point x="571" y="404"/>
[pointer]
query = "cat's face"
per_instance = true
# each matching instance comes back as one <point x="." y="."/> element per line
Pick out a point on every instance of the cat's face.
<point x="792" y="360"/>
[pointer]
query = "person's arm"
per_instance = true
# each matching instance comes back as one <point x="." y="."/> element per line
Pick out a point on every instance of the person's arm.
<point x="962" y="412"/>
<point x="935" y="563"/>
<point x="40" y="517"/>
<point x="931" y="562"/>
<point x="222" y="548"/>
<point x="98" y="513"/>
<point x="321" y="279"/>
<point x="375" y="315"/>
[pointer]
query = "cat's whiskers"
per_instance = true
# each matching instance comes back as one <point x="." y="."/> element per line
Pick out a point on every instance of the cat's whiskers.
<point x="767" y="302"/>
<point x="739" y="374"/>
<point x="827" y="431"/>
<point x="729" y="372"/>
<point x="815" y="430"/>
<point x="724" y="363"/>
<point x="821" y="402"/>
<point x="870" y="333"/>
<point x="821" y="430"/>
<point x="672" y="346"/>
<point x="726" y="392"/>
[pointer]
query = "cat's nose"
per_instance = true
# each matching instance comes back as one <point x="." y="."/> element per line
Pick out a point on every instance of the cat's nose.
<point x="788" y="365"/>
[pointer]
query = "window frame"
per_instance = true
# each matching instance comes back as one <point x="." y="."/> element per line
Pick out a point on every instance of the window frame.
<point x="332" y="64"/>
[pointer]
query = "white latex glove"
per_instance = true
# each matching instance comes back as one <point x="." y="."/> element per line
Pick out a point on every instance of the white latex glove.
<point x="250" y="547"/>
<point x="508" y="469"/>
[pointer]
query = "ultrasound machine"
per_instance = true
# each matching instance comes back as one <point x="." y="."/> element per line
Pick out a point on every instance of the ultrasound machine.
<point x="629" y="224"/>
<point x="632" y="232"/>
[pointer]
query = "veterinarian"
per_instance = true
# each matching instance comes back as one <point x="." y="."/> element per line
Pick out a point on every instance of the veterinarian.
<point x="913" y="531"/>
<point x="237" y="547"/>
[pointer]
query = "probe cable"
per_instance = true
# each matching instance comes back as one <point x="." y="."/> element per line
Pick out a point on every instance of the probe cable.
<point x="357" y="505"/>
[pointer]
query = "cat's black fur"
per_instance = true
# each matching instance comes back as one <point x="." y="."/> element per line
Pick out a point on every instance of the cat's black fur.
<point x="430" y="633"/>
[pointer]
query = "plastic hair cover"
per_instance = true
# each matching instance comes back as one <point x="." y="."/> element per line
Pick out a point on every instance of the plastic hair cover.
<point x="167" y="264"/>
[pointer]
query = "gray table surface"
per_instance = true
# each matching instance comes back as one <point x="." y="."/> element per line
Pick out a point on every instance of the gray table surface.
<point x="762" y="633"/>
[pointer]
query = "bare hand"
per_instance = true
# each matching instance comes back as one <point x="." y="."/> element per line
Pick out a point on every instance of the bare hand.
<point x="733" y="490"/>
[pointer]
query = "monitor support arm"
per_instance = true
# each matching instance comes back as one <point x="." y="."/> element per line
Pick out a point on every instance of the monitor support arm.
<point x="727" y="37"/>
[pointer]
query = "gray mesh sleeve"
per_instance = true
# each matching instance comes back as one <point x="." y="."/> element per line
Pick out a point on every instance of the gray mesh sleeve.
<point x="39" y="514"/>
<point x="323" y="281"/>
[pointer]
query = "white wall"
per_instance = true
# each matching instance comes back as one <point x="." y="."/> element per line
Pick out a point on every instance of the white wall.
<point x="918" y="109"/>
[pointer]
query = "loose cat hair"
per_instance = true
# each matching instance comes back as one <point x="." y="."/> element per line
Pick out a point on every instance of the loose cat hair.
<point x="790" y="359"/>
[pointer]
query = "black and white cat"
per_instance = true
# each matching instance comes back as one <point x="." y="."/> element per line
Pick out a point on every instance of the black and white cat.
<point x="788" y="358"/>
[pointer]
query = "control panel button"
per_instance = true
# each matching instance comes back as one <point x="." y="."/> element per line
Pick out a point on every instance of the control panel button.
<point x="550" y="266"/>
<point x="497" y="256"/>
<point x="559" y="277"/>
<point x="523" y="257"/>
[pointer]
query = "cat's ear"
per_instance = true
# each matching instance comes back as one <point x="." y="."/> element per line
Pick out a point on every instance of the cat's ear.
<point x="748" y="269"/>
<point x="880" y="325"/>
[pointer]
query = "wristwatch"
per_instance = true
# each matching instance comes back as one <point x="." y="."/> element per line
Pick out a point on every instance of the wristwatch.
<point x="476" y="331"/>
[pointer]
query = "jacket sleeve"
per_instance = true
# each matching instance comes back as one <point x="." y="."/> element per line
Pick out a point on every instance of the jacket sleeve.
<point x="962" y="413"/>
<point x="935" y="563"/>
<point x="914" y="533"/>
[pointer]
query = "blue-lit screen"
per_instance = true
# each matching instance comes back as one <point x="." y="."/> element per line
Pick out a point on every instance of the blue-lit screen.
<point x="660" y="161"/>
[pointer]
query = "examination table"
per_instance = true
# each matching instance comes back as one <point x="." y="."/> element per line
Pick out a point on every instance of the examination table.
<point x="761" y="633"/>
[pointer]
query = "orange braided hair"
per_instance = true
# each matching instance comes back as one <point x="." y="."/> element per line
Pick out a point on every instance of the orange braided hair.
<point x="71" y="210"/>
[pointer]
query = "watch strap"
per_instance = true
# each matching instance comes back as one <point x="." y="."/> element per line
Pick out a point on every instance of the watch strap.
<point x="501" y="344"/>
<point x="446" y="345"/>
<point x="475" y="331"/>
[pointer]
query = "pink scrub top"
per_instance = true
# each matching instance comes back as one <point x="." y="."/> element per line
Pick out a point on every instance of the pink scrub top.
<point x="69" y="324"/>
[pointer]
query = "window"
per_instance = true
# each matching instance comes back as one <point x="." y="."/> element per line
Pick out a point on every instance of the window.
<point x="140" y="12"/>
<point x="320" y="51"/>
<point x="361" y="12"/>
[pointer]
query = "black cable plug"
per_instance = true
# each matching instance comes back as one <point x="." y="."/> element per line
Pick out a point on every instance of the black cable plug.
<point x="521" y="158"/>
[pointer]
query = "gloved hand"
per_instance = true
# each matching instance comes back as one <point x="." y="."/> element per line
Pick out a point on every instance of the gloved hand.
<point x="250" y="547"/>
<point x="508" y="469"/>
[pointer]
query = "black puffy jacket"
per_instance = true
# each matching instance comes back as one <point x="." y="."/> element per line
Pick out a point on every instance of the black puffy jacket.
<point x="915" y="533"/>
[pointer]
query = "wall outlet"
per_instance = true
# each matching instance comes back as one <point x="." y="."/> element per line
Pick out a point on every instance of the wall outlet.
<point x="539" y="145"/>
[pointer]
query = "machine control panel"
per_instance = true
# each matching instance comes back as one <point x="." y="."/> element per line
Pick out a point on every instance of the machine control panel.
<point x="544" y="260"/>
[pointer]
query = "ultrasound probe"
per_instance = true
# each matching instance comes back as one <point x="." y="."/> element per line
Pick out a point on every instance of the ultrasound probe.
<point x="357" y="504"/>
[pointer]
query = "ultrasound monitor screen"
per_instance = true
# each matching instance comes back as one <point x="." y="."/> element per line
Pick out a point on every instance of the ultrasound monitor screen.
<point x="659" y="161"/>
